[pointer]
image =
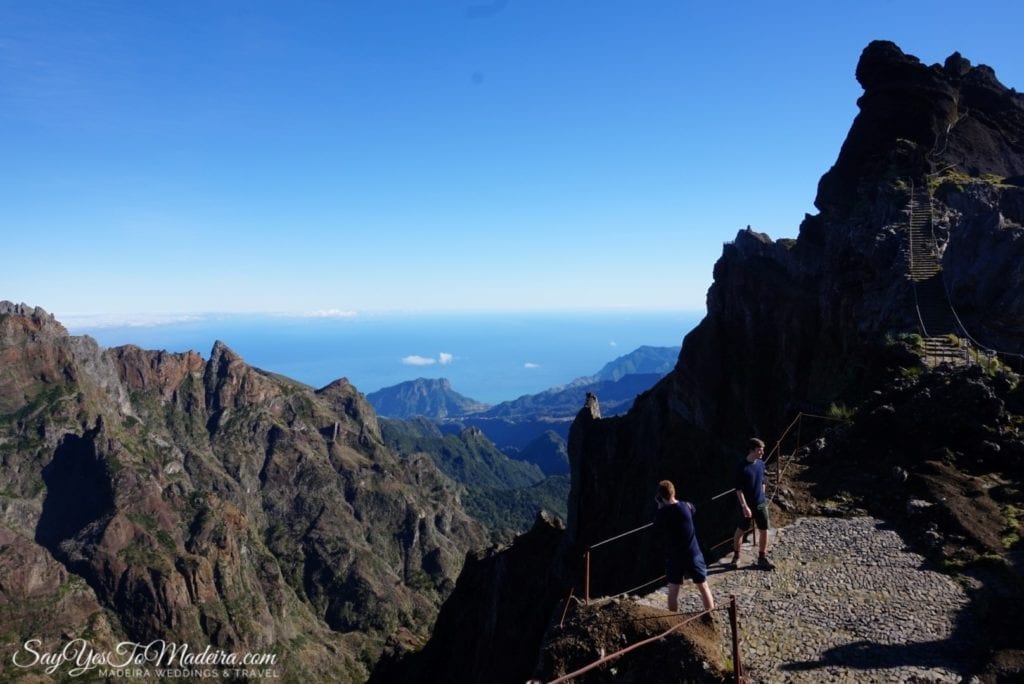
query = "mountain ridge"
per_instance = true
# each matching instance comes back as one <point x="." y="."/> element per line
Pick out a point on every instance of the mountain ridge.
<point x="436" y="398"/>
<point x="163" y="495"/>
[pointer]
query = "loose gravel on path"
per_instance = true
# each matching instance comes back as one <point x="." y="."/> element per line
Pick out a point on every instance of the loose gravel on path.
<point x="847" y="602"/>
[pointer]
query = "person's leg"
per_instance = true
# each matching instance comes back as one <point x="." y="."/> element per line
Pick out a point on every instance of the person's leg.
<point x="761" y="518"/>
<point x="698" y="572"/>
<point x="705" y="595"/>
<point x="673" y="596"/>
<point x="762" y="522"/>
<point x="737" y="540"/>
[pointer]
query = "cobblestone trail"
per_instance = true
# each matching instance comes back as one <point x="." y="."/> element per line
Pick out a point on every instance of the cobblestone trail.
<point x="846" y="603"/>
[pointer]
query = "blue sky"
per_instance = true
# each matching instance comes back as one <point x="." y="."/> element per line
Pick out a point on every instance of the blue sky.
<point x="310" y="157"/>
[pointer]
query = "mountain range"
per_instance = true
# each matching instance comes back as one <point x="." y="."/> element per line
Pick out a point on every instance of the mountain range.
<point x="527" y="469"/>
<point x="533" y="427"/>
<point x="619" y="380"/>
<point x="147" y="495"/>
<point x="150" y="495"/>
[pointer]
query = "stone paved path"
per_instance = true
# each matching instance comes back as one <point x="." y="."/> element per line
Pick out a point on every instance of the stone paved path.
<point x="846" y="603"/>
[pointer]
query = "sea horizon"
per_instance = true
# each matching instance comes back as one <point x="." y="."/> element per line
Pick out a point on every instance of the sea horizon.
<point x="490" y="356"/>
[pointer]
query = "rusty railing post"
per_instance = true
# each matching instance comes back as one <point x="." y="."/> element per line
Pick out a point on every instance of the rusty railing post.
<point x="568" y="602"/>
<point x="586" y="577"/>
<point x="734" y="624"/>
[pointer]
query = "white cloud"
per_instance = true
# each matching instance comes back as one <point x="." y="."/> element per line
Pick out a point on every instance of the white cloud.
<point x="530" y="364"/>
<point x="444" y="359"/>
<point x="613" y="343"/>
<point x="93" y="321"/>
<point x="416" y="360"/>
<point x="329" y="313"/>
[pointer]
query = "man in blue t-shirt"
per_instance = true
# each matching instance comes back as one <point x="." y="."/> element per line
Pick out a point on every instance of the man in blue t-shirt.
<point x="673" y="524"/>
<point x="753" y="504"/>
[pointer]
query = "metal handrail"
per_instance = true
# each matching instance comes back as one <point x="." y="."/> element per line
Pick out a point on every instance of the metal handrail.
<point x="734" y="626"/>
<point x="775" y="452"/>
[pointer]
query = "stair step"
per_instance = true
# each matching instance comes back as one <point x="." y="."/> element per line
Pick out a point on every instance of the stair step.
<point x="924" y="267"/>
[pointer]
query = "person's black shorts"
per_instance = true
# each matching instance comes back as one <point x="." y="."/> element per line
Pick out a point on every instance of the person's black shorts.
<point x="760" y="515"/>
<point x="676" y="568"/>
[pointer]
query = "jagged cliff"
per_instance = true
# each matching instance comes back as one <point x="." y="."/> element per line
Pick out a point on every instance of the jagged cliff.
<point x="146" y="495"/>
<point x="802" y="324"/>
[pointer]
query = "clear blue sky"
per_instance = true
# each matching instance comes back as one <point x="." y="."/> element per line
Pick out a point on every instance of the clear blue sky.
<point x="193" y="156"/>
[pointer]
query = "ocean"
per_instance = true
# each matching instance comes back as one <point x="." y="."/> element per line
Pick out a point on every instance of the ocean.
<point x="488" y="357"/>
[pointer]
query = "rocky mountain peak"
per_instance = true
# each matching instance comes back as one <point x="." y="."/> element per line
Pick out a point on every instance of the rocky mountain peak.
<point x="956" y="66"/>
<point x="160" y="371"/>
<point x="916" y="118"/>
<point x="38" y="317"/>
<point x="430" y="397"/>
<point x="221" y="355"/>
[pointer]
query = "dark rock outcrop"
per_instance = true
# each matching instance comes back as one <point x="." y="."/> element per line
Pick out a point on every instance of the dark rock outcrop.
<point x="490" y="631"/>
<point x="915" y="118"/>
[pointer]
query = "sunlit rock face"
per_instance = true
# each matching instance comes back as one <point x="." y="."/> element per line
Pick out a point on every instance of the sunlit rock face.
<point x="154" y="495"/>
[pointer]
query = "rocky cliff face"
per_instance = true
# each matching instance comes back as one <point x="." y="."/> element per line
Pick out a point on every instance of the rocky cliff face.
<point x="953" y="115"/>
<point x="491" y="629"/>
<point x="149" y="495"/>
<point x="803" y="324"/>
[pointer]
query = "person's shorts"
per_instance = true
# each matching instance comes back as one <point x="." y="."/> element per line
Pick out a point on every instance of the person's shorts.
<point x="676" y="568"/>
<point x="760" y="515"/>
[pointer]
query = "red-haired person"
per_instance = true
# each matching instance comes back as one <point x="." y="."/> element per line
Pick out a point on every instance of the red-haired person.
<point x="673" y="524"/>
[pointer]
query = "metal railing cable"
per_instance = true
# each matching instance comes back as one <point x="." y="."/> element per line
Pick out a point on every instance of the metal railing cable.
<point x="775" y="453"/>
<point x="632" y="647"/>
<point x="590" y="548"/>
<point x="620" y="536"/>
<point x="638" y="587"/>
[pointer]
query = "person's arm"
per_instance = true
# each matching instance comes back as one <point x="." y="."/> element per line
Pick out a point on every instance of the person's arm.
<point x="743" y="502"/>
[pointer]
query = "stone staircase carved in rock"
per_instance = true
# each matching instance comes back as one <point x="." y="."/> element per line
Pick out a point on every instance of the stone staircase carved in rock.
<point x="935" y="315"/>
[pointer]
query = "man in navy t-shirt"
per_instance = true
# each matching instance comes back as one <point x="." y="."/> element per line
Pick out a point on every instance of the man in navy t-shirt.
<point x="673" y="524"/>
<point x="753" y="504"/>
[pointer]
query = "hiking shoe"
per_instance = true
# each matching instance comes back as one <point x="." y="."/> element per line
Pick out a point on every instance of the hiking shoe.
<point x="733" y="563"/>
<point x="708" y="619"/>
<point x="764" y="564"/>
